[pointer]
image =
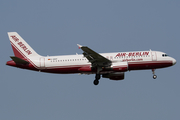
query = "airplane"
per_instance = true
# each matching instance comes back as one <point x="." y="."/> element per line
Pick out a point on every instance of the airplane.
<point x="106" y="65"/>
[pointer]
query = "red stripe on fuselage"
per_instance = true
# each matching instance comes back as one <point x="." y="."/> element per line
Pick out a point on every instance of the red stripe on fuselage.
<point x="149" y="65"/>
<point x="131" y="66"/>
<point x="75" y="68"/>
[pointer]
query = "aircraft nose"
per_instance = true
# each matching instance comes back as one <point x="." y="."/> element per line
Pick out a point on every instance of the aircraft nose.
<point x="174" y="61"/>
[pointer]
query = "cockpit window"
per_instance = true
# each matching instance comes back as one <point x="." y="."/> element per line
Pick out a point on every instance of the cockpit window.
<point x="164" y="55"/>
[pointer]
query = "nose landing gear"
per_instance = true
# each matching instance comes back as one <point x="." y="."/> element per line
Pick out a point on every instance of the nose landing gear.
<point x="154" y="76"/>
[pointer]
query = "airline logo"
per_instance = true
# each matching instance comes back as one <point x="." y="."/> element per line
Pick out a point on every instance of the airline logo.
<point x="21" y="45"/>
<point x="132" y="54"/>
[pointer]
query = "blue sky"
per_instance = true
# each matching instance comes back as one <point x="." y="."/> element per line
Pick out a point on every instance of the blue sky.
<point x="55" y="27"/>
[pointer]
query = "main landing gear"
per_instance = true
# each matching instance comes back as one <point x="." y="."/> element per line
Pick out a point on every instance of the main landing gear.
<point x="154" y="76"/>
<point x="97" y="77"/>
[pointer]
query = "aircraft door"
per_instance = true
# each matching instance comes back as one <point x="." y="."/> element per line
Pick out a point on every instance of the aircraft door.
<point x="42" y="62"/>
<point x="154" y="56"/>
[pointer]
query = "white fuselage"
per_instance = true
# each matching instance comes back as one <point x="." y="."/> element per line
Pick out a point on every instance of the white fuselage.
<point x="74" y="62"/>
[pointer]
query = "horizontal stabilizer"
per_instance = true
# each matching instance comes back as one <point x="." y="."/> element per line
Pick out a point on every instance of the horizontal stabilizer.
<point x="18" y="60"/>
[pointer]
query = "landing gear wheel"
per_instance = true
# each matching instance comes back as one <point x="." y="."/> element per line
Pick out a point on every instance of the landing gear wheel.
<point x="96" y="82"/>
<point x="97" y="77"/>
<point x="154" y="76"/>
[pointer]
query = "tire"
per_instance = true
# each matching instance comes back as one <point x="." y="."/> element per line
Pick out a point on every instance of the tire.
<point x="154" y="76"/>
<point x="96" y="82"/>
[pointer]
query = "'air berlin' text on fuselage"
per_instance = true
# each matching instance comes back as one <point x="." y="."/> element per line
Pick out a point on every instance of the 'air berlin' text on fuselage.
<point x="21" y="45"/>
<point x="132" y="54"/>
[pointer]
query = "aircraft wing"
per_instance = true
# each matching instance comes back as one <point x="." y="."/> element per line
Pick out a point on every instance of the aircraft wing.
<point x="95" y="58"/>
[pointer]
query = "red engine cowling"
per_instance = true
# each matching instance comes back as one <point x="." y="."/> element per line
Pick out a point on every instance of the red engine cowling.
<point x="114" y="76"/>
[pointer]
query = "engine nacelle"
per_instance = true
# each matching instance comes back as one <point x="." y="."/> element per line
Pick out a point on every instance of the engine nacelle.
<point x="120" y="66"/>
<point x="114" y="76"/>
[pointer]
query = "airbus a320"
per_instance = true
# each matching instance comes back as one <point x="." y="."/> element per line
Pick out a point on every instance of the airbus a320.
<point x="106" y="65"/>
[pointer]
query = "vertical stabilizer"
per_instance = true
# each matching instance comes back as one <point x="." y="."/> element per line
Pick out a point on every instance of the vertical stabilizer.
<point x="20" y="48"/>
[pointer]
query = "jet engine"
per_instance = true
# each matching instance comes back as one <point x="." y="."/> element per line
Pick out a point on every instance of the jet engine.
<point x="114" y="76"/>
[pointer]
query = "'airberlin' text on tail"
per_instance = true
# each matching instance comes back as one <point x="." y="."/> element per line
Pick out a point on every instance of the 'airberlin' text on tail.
<point x="21" y="45"/>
